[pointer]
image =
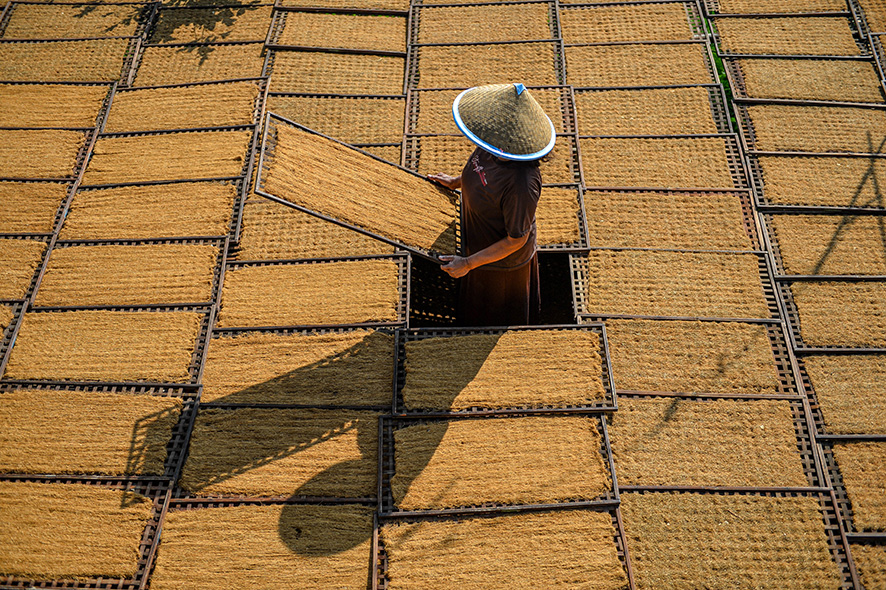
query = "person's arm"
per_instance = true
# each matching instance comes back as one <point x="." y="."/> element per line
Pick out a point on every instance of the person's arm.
<point x="459" y="266"/>
<point x="450" y="182"/>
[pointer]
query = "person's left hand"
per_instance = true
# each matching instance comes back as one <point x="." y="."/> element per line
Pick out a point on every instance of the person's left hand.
<point x="458" y="266"/>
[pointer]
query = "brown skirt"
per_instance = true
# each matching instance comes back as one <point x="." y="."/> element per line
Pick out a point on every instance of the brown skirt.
<point x="493" y="297"/>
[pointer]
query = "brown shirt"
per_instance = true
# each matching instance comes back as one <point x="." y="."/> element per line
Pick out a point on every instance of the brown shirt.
<point x="499" y="199"/>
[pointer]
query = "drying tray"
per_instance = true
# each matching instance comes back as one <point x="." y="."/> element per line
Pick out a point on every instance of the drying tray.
<point x="267" y="147"/>
<point x="607" y="404"/>
<point x="841" y="498"/>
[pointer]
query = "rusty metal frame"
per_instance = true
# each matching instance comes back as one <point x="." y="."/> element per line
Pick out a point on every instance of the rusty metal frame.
<point x="412" y="74"/>
<point x="580" y="271"/>
<point x="220" y="243"/>
<point x="399" y="410"/>
<point x="156" y="491"/>
<point x="400" y="258"/>
<point x="387" y="507"/>
<point x="693" y="12"/>
<point x="806" y="439"/>
<point x="379" y="567"/>
<point x="268" y="145"/>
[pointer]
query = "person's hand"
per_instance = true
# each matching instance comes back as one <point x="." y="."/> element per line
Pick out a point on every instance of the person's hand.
<point x="450" y="182"/>
<point x="458" y="266"/>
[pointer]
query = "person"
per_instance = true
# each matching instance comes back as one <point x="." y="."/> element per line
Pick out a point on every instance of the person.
<point x="500" y="188"/>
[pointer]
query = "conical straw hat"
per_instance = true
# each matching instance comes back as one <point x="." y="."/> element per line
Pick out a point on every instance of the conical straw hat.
<point x="505" y="120"/>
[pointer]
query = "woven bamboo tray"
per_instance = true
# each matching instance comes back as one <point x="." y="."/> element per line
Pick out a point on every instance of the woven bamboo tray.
<point x="228" y="104"/>
<point x="846" y="392"/>
<point x="335" y="73"/>
<point x="296" y="162"/>
<point x="458" y="24"/>
<point x="869" y="561"/>
<point x="873" y="15"/>
<point x="74" y="21"/>
<point x="689" y="540"/>
<point x="186" y="24"/>
<point x="271" y="545"/>
<point x="352" y="368"/>
<point x="687" y="220"/>
<point x="349" y="119"/>
<point x="787" y="36"/>
<point x="187" y="64"/>
<point x="773" y="6"/>
<point x="359" y="32"/>
<point x="92" y="60"/>
<point x="51" y="105"/>
<point x="434" y="467"/>
<point x="31" y="207"/>
<point x="393" y="7"/>
<point x="19" y="261"/>
<point x="672" y="21"/>
<point x="84" y="525"/>
<point x="855" y="468"/>
<point x="151" y="211"/>
<point x="563" y="547"/>
<point x="461" y="372"/>
<point x="364" y="291"/>
<point x="44" y="154"/>
<point x="642" y="64"/>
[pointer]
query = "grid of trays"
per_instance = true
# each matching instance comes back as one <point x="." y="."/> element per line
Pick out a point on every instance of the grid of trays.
<point x="825" y="221"/>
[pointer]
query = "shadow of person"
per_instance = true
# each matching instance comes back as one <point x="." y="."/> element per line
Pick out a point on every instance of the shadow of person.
<point x="341" y="372"/>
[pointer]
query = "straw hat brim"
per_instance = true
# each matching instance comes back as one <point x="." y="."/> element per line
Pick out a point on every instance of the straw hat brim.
<point x="491" y="148"/>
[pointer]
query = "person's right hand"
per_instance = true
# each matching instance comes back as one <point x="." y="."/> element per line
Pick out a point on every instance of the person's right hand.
<point x="450" y="182"/>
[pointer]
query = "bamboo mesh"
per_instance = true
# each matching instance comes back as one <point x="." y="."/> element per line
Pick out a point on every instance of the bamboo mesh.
<point x="277" y="452"/>
<point x="694" y="221"/>
<point x="146" y="158"/>
<point x="60" y="21"/>
<point x="870" y="561"/>
<point x="444" y="153"/>
<point x="95" y="60"/>
<point x="673" y="441"/>
<point x="841" y="314"/>
<point x="841" y="182"/>
<point x="695" y="284"/>
<point x="214" y="105"/>
<point x="30" y="207"/>
<point x="557" y="217"/>
<point x="787" y="36"/>
<point x="667" y="163"/>
<point x="349" y="31"/>
<point x="400" y="5"/>
<point x="528" y="460"/>
<point x="458" y="24"/>
<point x="874" y="15"/>
<point x="863" y="468"/>
<point x="105" y="346"/>
<point x="19" y="260"/>
<point x="206" y="25"/>
<point x="279" y="546"/>
<point x="50" y="105"/>
<point x="434" y="109"/>
<point x="52" y="531"/>
<point x="851" y="392"/>
<point x="637" y="65"/>
<point x="683" y="356"/>
<point x="685" y="541"/>
<point x="385" y="200"/>
<point x="352" y="120"/>
<point x="666" y="111"/>
<point x="638" y="22"/>
<point x="129" y="275"/>
<point x="809" y="79"/>
<point x="830" y="245"/>
<point x="527" y="368"/>
<point x="46" y="431"/>
<point x="328" y="293"/>
<point x="199" y="63"/>
<point x="153" y="211"/>
<point x="352" y="368"/>
<point x="566" y="548"/>
<point x="824" y="129"/>
<point x="780" y="6"/>
<point x="335" y="73"/>
<point x="463" y="66"/>
<point x="43" y="153"/>
<point x="272" y="231"/>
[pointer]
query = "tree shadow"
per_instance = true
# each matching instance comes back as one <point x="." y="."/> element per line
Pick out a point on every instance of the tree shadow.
<point x="336" y="368"/>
